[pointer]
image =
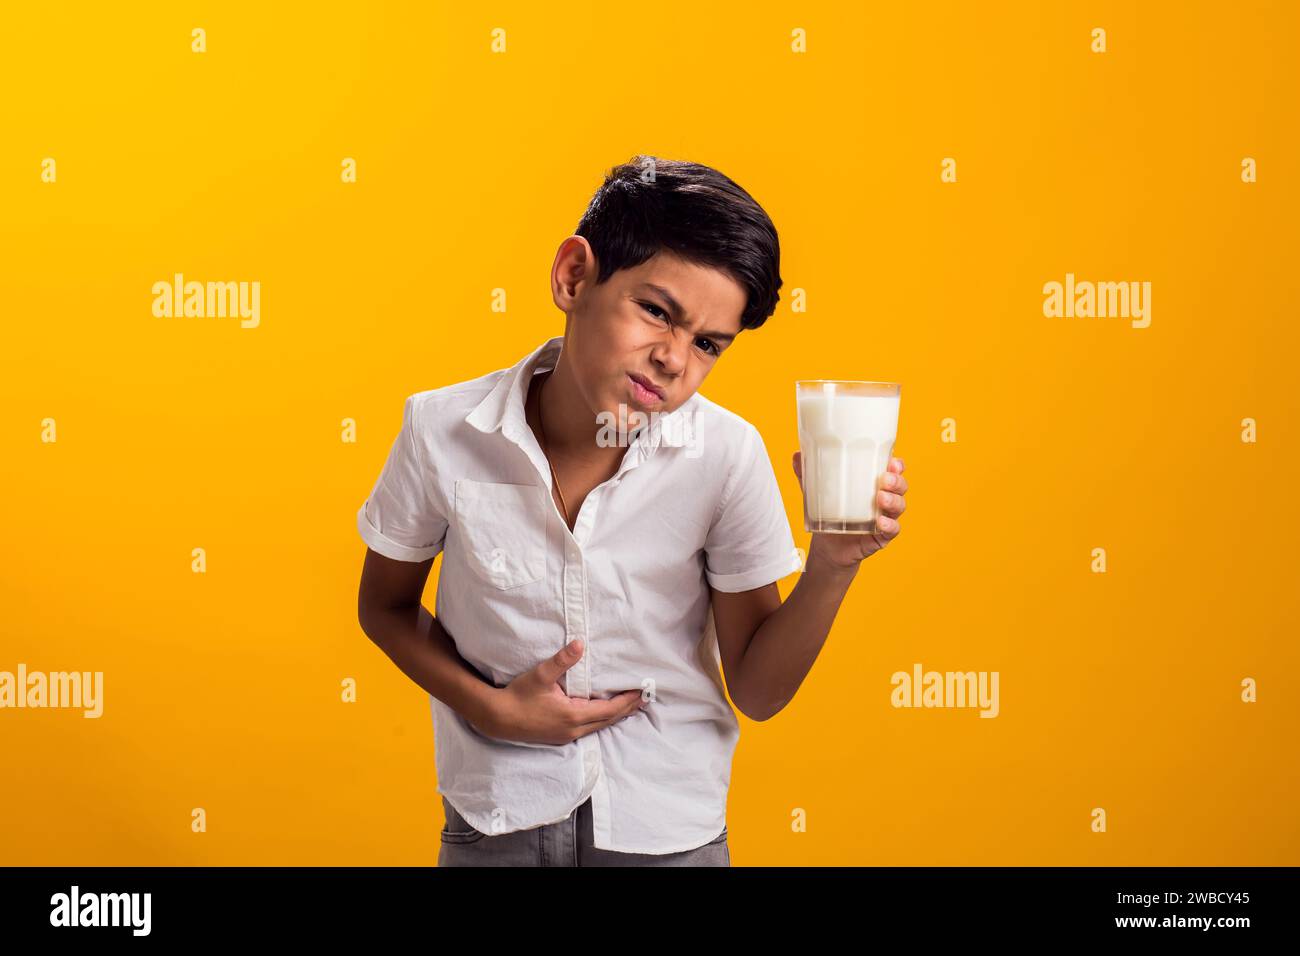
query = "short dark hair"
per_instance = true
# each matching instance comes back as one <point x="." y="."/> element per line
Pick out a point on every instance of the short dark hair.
<point x="650" y="204"/>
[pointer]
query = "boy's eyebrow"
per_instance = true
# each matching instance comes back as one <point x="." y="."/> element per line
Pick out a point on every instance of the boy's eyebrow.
<point x="676" y="307"/>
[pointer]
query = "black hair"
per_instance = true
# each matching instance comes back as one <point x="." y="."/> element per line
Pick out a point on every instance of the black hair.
<point x="650" y="204"/>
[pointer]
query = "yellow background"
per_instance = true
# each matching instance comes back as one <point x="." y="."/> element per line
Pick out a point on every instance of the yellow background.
<point x="222" y="690"/>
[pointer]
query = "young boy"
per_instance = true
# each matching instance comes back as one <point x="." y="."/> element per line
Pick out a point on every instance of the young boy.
<point x="609" y="537"/>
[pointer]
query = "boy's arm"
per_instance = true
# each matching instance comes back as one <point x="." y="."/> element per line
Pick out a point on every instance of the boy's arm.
<point x="531" y="709"/>
<point x="391" y="615"/>
<point x="768" y="647"/>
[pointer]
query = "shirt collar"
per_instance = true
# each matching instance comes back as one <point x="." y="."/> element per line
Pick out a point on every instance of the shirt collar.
<point x="503" y="408"/>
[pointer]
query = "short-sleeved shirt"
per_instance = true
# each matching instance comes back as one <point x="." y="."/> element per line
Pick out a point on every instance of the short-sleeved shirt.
<point x="694" y="504"/>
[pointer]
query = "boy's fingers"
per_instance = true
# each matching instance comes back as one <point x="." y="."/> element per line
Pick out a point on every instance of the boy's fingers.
<point x="895" y="482"/>
<point x="602" y="711"/>
<point x="552" y="669"/>
<point x="892" y="505"/>
<point x="635" y="700"/>
<point x="896" y="465"/>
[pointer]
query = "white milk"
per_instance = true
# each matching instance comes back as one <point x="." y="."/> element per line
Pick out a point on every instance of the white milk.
<point x="846" y="442"/>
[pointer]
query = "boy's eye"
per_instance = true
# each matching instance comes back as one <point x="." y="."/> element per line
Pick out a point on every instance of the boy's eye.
<point x="649" y="305"/>
<point x="658" y="313"/>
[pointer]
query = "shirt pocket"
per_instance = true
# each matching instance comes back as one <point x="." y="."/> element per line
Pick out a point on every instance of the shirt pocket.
<point x="503" y="530"/>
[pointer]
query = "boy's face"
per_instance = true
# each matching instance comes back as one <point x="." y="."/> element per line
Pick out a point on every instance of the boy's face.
<point x="669" y="336"/>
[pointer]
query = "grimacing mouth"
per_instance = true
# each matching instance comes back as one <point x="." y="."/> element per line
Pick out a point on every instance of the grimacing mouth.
<point x="650" y="384"/>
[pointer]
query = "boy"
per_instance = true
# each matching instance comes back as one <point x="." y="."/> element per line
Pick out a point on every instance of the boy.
<point x="609" y="537"/>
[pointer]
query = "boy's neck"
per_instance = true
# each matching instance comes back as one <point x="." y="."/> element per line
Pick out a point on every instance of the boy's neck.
<point x="569" y="426"/>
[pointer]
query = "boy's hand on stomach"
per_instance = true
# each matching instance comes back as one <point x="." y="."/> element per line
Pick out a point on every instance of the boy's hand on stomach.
<point x="533" y="708"/>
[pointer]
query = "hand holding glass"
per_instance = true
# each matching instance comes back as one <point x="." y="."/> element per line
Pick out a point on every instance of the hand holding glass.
<point x="846" y="438"/>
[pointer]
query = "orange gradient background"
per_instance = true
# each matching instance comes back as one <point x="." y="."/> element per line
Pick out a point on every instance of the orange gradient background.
<point x="222" y="690"/>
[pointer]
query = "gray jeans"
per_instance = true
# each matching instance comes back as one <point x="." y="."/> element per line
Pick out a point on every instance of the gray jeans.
<point x="566" y="843"/>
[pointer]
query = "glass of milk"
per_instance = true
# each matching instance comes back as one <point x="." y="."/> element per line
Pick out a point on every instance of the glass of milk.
<point x="846" y="438"/>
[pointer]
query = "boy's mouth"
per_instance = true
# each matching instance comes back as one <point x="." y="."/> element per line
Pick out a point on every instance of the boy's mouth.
<point x="646" y="392"/>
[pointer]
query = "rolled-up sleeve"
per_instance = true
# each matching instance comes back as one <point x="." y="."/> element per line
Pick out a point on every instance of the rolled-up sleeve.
<point x="400" y="519"/>
<point x="750" y="543"/>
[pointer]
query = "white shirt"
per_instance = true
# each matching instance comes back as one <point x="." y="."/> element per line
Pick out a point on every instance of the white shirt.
<point x="466" y="477"/>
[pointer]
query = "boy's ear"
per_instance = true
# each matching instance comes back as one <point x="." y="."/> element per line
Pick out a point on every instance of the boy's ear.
<point x="575" y="263"/>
